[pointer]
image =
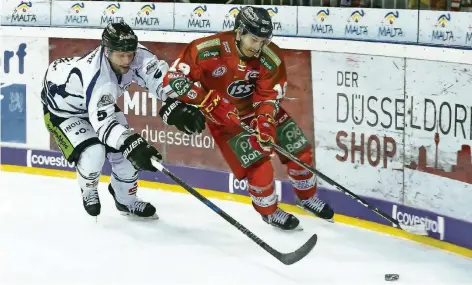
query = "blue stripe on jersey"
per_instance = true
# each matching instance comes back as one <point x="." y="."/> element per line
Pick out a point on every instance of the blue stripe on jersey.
<point x="88" y="93"/>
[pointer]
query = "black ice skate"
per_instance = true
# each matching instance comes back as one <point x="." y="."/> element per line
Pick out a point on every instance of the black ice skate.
<point x="317" y="207"/>
<point x="282" y="220"/>
<point x="91" y="202"/>
<point x="137" y="208"/>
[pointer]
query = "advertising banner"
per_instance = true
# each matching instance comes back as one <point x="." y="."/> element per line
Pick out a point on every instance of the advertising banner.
<point x="139" y="15"/>
<point x="13" y="112"/>
<point x="438" y="137"/>
<point x="359" y="116"/>
<point x="22" y="67"/>
<point x="360" y="24"/>
<point x="25" y="13"/>
<point x="406" y="130"/>
<point x="445" y="28"/>
<point x="200" y="150"/>
<point x="219" y="17"/>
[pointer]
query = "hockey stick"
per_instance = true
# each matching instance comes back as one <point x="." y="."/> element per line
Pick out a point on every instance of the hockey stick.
<point x="414" y="229"/>
<point x="285" y="258"/>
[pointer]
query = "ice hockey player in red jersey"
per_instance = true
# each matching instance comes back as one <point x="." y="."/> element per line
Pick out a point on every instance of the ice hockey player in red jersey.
<point x="241" y="75"/>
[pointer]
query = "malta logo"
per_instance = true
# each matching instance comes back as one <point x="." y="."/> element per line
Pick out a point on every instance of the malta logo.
<point x="322" y="15"/>
<point x="391" y="17"/>
<point x="273" y="11"/>
<point x="23" y="7"/>
<point x="112" y="9"/>
<point x="443" y="21"/>
<point x="77" y="7"/>
<point x="200" y="10"/>
<point x="356" y="16"/>
<point x="233" y="12"/>
<point x="147" y="9"/>
<point x="388" y="26"/>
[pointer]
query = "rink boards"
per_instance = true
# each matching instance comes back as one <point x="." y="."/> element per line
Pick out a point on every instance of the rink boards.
<point x="390" y="122"/>
<point x="444" y="232"/>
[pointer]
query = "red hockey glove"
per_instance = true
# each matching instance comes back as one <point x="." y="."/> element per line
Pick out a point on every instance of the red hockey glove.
<point x="215" y="107"/>
<point x="264" y="125"/>
<point x="219" y="110"/>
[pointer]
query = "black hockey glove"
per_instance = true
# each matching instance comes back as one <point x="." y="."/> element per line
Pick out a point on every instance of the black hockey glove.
<point x="186" y="118"/>
<point x="139" y="152"/>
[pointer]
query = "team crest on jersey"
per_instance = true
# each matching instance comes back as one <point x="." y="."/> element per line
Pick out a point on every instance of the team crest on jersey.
<point x="219" y="71"/>
<point x="105" y="100"/>
<point x="192" y="94"/>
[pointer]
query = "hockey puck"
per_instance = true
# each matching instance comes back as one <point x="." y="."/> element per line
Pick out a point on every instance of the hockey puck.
<point x="391" y="277"/>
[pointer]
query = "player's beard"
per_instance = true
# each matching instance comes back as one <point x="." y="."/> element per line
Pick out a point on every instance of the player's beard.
<point x="119" y="69"/>
<point x="244" y="53"/>
<point x="124" y="69"/>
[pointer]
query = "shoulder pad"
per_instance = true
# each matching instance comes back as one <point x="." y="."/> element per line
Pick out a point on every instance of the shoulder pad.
<point x="268" y="52"/>
<point x="209" y="43"/>
<point x="209" y="49"/>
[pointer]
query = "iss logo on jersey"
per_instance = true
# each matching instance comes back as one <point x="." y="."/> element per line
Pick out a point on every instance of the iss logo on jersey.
<point x="240" y="187"/>
<point x="240" y="89"/>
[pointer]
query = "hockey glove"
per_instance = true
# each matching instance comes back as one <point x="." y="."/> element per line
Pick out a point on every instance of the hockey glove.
<point x="264" y="125"/>
<point x="220" y="110"/>
<point x="186" y="118"/>
<point x="139" y="152"/>
<point x="215" y="107"/>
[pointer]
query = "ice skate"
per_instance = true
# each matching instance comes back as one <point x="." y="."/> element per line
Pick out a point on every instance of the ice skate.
<point x="137" y="207"/>
<point x="317" y="207"/>
<point x="282" y="220"/>
<point x="91" y="202"/>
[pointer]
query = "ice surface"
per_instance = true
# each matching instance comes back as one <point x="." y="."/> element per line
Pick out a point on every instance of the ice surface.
<point x="46" y="237"/>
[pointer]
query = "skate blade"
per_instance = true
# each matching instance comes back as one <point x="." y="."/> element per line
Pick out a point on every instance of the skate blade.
<point x="311" y="214"/>
<point x="131" y="216"/>
<point x="299" y="228"/>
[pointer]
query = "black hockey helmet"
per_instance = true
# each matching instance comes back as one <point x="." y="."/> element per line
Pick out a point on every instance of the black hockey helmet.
<point x="119" y="37"/>
<point x="255" y="20"/>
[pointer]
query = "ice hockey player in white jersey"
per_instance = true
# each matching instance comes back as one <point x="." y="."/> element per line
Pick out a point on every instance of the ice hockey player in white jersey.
<point x="79" y="96"/>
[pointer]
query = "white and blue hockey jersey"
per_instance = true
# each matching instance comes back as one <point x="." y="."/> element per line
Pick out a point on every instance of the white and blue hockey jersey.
<point x="87" y="87"/>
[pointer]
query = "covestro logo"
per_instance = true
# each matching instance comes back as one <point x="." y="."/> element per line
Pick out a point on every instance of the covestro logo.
<point x="55" y="160"/>
<point x="433" y="226"/>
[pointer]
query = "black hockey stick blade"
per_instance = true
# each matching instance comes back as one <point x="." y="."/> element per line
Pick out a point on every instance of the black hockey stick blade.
<point x="297" y="255"/>
<point x="419" y="229"/>
<point x="285" y="258"/>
